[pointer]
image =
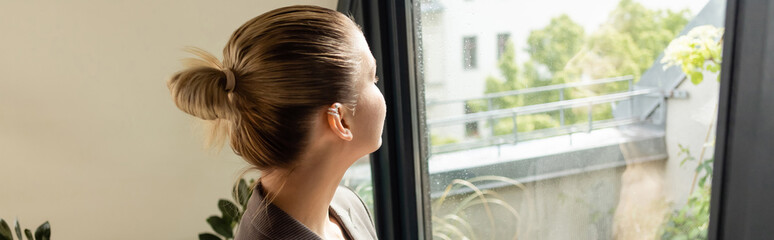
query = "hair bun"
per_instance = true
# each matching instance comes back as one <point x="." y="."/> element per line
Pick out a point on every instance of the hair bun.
<point x="230" y="80"/>
<point x="199" y="91"/>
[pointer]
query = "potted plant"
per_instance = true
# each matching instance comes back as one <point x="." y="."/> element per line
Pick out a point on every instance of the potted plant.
<point x="43" y="232"/>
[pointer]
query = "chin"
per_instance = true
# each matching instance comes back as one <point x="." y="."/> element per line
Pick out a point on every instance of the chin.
<point x="378" y="145"/>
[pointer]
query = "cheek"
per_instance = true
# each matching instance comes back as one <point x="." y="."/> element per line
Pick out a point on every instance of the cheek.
<point x="381" y="109"/>
<point x="373" y="114"/>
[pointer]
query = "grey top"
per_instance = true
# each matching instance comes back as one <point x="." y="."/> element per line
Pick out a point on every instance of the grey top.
<point x="259" y="222"/>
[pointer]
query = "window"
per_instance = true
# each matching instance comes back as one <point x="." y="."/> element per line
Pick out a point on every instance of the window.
<point x="358" y="178"/>
<point x="502" y="39"/>
<point x="592" y="190"/>
<point x="569" y="136"/>
<point x="469" y="52"/>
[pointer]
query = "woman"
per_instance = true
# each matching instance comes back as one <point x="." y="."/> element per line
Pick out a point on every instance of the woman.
<point x="295" y="95"/>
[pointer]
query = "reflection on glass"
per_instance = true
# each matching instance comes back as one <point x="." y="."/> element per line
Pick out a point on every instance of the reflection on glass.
<point x="358" y="178"/>
<point x="563" y="120"/>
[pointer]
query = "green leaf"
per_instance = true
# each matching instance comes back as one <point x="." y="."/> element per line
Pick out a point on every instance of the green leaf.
<point x="229" y="210"/>
<point x="5" y="231"/>
<point x="713" y="67"/>
<point x="702" y="181"/>
<point x="28" y="233"/>
<point x="220" y="226"/>
<point x="244" y="193"/>
<point x="705" y="54"/>
<point x="687" y="158"/>
<point x="235" y="191"/>
<point x="700" y="167"/>
<point x="43" y="232"/>
<point x="696" y="77"/>
<point x="208" y="236"/>
<point x="18" y="229"/>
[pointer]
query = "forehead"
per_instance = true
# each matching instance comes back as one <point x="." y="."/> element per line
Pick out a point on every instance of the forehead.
<point x="361" y="45"/>
<point x="368" y="58"/>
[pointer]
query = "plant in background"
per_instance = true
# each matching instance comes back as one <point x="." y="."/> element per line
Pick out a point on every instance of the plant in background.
<point x="450" y="221"/>
<point x="230" y="214"/>
<point x="626" y="44"/>
<point x="366" y="192"/>
<point x="363" y="189"/>
<point x="698" y="51"/>
<point x="42" y="233"/>
<point x="436" y="140"/>
<point x="692" y="220"/>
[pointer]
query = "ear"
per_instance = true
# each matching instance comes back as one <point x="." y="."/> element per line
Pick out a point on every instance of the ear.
<point x="335" y="122"/>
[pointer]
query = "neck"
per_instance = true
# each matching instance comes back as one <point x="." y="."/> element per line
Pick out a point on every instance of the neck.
<point x="305" y="191"/>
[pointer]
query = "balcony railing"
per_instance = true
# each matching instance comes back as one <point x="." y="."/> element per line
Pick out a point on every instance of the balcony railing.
<point x="492" y="114"/>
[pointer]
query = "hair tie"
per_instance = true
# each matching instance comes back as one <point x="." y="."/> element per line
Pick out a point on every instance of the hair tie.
<point x="230" y="81"/>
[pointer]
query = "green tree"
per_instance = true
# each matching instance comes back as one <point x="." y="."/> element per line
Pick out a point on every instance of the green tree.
<point x="626" y="44"/>
<point x="555" y="44"/>
<point x="629" y="41"/>
<point x="513" y="79"/>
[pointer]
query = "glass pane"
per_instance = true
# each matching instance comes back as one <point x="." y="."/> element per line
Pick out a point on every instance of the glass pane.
<point x="560" y="119"/>
<point x="358" y="178"/>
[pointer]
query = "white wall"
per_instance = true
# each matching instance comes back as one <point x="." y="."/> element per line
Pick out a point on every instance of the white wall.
<point x="89" y="137"/>
<point x="687" y="122"/>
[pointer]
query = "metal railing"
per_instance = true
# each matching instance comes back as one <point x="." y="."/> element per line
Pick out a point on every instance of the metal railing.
<point x="491" y="114"/>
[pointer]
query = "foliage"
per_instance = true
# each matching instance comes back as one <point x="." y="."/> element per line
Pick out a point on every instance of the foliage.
<point x="526" y="123"/>
<point x="436" y="140"/>
<point x="696" y="52"/>
<point x="511" y="81"/>
<point x="629" y="41"/>
<point x="449" y="221"/>
<point x="43" y="232"/>
<point x="649" y="30"/>
<point x="364" y="189"/>
<point x="561" y="52"/>
<point x="366" y="192"/>
<point x="692" y="220"/>
<point x="554" y="45"/>
<point x="231" y="214"/>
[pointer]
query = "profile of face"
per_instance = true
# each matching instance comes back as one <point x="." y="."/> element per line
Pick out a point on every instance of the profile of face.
<point x="371" y="108"/>
<point x="365" y="123"/>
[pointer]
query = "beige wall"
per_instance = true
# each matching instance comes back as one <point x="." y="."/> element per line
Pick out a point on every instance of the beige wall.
<point x="89" y="138"/>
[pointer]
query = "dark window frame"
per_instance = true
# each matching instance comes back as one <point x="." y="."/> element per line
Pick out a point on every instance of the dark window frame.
<point x="742" y="189"/>
<point x="398" y="199"/>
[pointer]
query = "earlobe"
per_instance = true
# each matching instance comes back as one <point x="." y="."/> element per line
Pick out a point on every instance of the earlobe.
<point x="335" y="123"/>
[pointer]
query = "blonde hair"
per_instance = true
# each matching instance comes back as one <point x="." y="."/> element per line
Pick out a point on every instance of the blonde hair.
<point x="288" y="64"/>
